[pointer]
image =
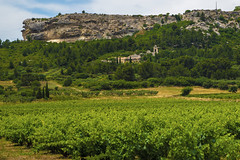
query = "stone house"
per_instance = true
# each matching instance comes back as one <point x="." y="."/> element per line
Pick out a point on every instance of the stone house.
<point x="137" y="58"/>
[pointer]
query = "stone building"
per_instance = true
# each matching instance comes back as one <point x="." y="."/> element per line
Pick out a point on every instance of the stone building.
<point x="132" y="58"/>
<point x="137" y="58"/>
<point x="155" y="50"/>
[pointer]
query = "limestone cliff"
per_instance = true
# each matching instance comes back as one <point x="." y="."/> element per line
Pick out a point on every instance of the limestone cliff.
<point x="73" y="27"/>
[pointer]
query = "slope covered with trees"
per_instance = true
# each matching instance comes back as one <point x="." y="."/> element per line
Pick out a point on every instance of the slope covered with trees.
<point x="186" y="57"/>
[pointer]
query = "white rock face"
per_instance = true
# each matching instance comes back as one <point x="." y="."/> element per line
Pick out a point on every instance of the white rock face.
<point x="73" y="27"/>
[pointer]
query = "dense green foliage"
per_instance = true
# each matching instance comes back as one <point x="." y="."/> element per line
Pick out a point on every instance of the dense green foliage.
<point x="182" y="52"/>
<point x="186" y="91"/>
<point x="185" y="58"/>
<point x="233" y="89"/>
<point x="126" y="128"/>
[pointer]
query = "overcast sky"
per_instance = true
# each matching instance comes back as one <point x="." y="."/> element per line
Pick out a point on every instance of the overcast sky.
<point x="13" y="12"/>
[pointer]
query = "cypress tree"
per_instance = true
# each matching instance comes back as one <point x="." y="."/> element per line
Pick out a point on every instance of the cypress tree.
<point x="39" y="94"/>
<point x="11" y="65"/>
<point x="43" y="93"/>
<point x="62" y="73"/>
<point x="47" y="90"/>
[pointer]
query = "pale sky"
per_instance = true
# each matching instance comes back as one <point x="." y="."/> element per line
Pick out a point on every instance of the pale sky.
<point x="13" y="12"/>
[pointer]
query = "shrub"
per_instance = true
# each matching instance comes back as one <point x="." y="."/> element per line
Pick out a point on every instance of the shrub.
<point x="26" y="93"/>
<point x="155" y="81"/>
<point x="233" y="89"/>
<point x="96" y="88"/>
<point x="186" y="91"/>
<point x="207" y="84"/>
<point x="121" y="84"/>
<point x="106" y="86"/>
<point x="144" y="84"/>
<point x="181" y="81"/>
<point x="67" y="82"/>
<point x="1" y="90"/>
<point x="223" y="85"/>
<point x="82" y="75"/>
<point x="169" y="81"/>
<point x="1" y="87"/>
<point x="35" y="84"/>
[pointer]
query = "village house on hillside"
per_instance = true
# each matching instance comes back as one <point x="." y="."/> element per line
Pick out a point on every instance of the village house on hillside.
<point x="135" y="58"/>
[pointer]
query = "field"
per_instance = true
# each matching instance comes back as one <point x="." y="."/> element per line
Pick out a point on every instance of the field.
<point x="126" y="128"/>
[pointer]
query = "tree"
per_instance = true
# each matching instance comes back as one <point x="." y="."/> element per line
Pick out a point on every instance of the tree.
<point x="125" y="72"/>
<point x="62" y="73"/>
<point x="237" y="8"/>
<point x="43" y="93"/>
<point x="11" y="65"/>
<point x="24" y="64"/>
<point x="233" y="89"/>
<point x="39" y="94"/>
<point x="29" y="39"/>
<point x="223" y="85"/>
<point x="6" y="43"/>
<point x="162" y="21"/>
<point x="83" y="11"/>
<point x="146" y="70"/>
<point x="47" y="90"/>
<point x="15" y="73"/>
<point x="166" y="17"/>
<point x="35" y="84"/>
<point x="69" y="71"/>
<point x="186" y="91"/>
<point x="67" y="82"/>
<point x="202" y="17"/>
<point x="45" y="67"/>
<point x="1" y="90"/>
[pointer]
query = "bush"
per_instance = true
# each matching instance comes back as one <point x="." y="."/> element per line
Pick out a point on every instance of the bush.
<point x="155" y="81"/>
<point x="26" y="93"/>
<point x="223" y="85"/>
<point x="186" y="91"/>
<point x="35" y="84"/>
<point x="1" y="87"/>
<point x="1" y="91"/>
<point x="207" y="84"/>
<point x="96" y="88"/>
<point x="106" y="86"/>
<point x="121" y="84"/>
<point x="233" y="89"/>
<point x="181" y="81"/>
<point x="144" y="84"/>
<point x="82" y="75"/>
<point x="67" y="82"/>
<point x="169" y="81"/>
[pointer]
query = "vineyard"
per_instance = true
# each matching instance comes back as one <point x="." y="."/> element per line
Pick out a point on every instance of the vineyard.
<point x="227" y="96"/>
<point x="126" y="128"/>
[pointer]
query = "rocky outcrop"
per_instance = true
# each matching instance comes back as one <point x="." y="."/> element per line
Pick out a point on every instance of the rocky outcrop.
<point x="73" y="27"/>
<point x="212" y="19"/>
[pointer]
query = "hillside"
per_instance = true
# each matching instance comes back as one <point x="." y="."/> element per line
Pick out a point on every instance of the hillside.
<point x="203" y="50"/>
<point x="73" y="27"/>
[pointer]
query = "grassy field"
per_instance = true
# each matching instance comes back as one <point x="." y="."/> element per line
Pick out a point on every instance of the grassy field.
<point x="126" y="128"/>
